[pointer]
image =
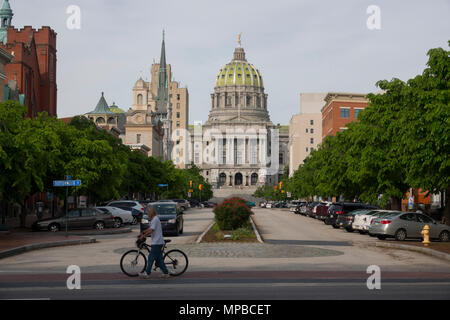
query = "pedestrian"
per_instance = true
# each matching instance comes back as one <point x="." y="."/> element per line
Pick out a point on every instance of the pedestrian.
<point x="155" y="230"/>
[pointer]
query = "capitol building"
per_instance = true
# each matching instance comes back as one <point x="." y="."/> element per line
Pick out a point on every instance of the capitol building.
<point x="239" y="147"/>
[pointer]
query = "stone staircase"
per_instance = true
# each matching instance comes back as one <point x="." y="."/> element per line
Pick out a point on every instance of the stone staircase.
<point x="225" y="193"/>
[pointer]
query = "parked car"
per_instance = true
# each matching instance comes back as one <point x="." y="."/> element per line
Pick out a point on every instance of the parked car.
<point x="172" y="221"/>
<point x="338" y="208"/>
<point x="310" y="207"/>
<point x="263" y="204"/>
<point x="194" y="203"/>
<point x="299" y="207"/>
<point x="270" y="205"/>
<point x="361" y="222"/>
<point x="77" y="219"/>
<point x="184" y="204"/>
<point x="293" y="204"/>
<point x="250" y="204"/>
<point x="403" y="225"/>
<point x="346" y="220"/>
<point x="321" y="211"/>
<point x="120" y="216"/>
<point x="209" y="204"/>
<point x="127" y="205"/>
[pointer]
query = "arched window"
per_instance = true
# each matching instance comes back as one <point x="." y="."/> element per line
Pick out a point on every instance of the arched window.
<point x="111" y="120"/>
<point x="100" y="120"/>
<point x="222" y="179"/>
<point x="140" y="99"/>
<point x="254" y="179"/>
<point x="249" y="101"/>
<point x="238" y="179"/>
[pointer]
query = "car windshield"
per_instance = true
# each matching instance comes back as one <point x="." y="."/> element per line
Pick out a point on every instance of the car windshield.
<point x="166" y="208"/>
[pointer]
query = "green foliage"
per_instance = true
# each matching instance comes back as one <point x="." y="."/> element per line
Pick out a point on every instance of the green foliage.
<point x="402" y="140"/>
<point x="232" y="214"/>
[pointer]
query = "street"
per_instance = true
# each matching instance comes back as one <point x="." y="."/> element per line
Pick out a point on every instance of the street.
<point x="301" y="258"/>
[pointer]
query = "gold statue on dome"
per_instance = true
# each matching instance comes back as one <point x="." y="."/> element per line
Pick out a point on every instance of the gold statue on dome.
<point x="239" y="39"/>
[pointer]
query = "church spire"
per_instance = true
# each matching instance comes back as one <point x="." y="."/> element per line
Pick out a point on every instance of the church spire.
<point x="162" y="79"/>
<point x="6" y="15"/>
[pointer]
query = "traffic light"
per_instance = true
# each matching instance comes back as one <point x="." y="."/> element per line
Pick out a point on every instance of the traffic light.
<point x="200" y="187"/>
<point x="275" y="188"/>
<point x="190" y="184"/>
<point x="281" y="184"/>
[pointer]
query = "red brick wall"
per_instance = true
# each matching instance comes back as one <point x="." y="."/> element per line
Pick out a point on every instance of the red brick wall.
<point x="34" y="58"/>
<point x="331" y="116"/>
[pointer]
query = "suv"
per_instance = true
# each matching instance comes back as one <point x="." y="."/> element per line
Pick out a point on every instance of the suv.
<point x="343" y="208"/>
<point x="184" y="204"/>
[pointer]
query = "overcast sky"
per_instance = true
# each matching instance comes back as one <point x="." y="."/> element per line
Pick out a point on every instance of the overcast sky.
<point x="298" y="46"/>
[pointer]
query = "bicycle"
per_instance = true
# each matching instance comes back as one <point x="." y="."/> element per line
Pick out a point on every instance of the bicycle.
<point x="176" y="260"/>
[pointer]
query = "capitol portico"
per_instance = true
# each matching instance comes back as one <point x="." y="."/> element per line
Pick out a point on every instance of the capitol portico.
<point x="239" y="147"/>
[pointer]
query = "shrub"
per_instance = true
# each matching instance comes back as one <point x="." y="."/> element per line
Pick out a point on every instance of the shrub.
<point x="232" y="214"/>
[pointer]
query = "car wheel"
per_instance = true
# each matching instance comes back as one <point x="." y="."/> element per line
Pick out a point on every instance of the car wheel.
<point x="381" y="237"/>
<point x="99" y="225"/>
<point x="135" y="221"/>
<point x="361" y="232"/>
<point x="349" y="229"/>
<point x="117" y="223"/>
<point x="444" y="236"/>
<point x="54" y="227"/>
<point x="335" y="226"/>
<point x="400" y="235"/>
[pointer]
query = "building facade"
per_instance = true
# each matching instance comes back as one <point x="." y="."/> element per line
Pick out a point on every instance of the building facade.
<point x="33" y="67"/>
<point x="161" y="99"/>
<point x="238" y="146"/>
<point x="305" y="129"/>
<point x="5" y="58"/>
<point x="339" y="109"/>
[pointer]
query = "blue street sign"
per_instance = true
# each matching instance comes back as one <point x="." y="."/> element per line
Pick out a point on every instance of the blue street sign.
<point x="163" y="185"/>
<point x="67" y="183"/>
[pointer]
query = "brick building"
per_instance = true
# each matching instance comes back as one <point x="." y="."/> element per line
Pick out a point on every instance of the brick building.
<point x="339" y="109"/>
<point x="33" y="67"/>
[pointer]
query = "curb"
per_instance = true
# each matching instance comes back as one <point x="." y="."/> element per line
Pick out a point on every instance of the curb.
<point x="200" y="238"/>
<point x="427" y="251"/>
<point x="99" y="233"/>
<point x="37" y="246"/>
<point x="258" y="236"/>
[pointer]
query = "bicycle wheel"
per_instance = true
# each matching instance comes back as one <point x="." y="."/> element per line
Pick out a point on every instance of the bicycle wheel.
<point x="176" y="262"/>
<point x="133" y="263"/>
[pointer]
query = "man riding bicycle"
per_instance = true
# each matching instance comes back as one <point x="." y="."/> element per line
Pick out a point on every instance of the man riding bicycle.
<point x="155" y="230"/>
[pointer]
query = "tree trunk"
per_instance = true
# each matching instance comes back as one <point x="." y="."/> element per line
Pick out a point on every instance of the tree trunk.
<point x="447" y="206"/>
<point x="396" y="204"/>
<point x="23" y="215"/>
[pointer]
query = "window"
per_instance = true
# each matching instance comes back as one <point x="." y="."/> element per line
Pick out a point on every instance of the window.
<point x="356" y="113"/>
<point x="87" y="213"/>
<point x="312" y="149"/>
<point x="178" y="97"/>
<point x="307" y="149"/>
<point x="281" y="158"/>
<point x="312" y="140"/>
<point x="306" y="130"/>
<point x="178" y="105"/>
<point x="222" y="179"/>
<point x="138" y="138"/>
<point x="74" y="214"/>
<point x="178" y="115"/>
<point x="424" y="219"/>
<point x="254" y="179"/>
<point x="345" y="113"/>
<point x="312" y="130"/>
<point x="197" y="158"/>
<point x="140" y="99"/>
<point x="311" y="122"/>
<point x="409" y="217"/>
<point x="178" y="124"/>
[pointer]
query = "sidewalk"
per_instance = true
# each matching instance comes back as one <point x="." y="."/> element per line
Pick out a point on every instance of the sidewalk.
<point x="18" y="242"/>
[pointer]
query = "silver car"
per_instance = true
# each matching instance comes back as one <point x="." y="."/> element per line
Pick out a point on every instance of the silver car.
<point x="403" y="225"/>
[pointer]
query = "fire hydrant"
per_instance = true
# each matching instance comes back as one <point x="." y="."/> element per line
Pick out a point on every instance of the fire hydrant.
<point x="426" y="235"/>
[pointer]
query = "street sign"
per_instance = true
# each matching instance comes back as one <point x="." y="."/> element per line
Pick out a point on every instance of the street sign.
<point x="163" y="185"/>
<point x="67" y="183"/>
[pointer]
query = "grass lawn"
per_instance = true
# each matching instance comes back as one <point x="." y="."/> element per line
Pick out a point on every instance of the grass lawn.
<point x="244" y="234"/>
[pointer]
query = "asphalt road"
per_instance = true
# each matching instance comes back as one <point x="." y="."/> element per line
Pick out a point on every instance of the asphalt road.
<point x="301" y="259"/>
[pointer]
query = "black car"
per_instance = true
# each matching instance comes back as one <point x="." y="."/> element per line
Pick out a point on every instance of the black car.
<point x="338" y="209"/>
<point x="171" y="218"/>
<point x="208" y="204"/>
<point x="194" y="203"/>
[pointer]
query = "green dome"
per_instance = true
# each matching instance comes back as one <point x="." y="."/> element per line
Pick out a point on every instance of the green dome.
<point x="116" y="109"/>
<point x="239" y="73"/>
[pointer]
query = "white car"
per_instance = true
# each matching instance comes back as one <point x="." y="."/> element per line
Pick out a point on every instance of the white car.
<point x="269" y="205"/>
<point x="120" y="216"/>
<point x="362" y="221"/>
